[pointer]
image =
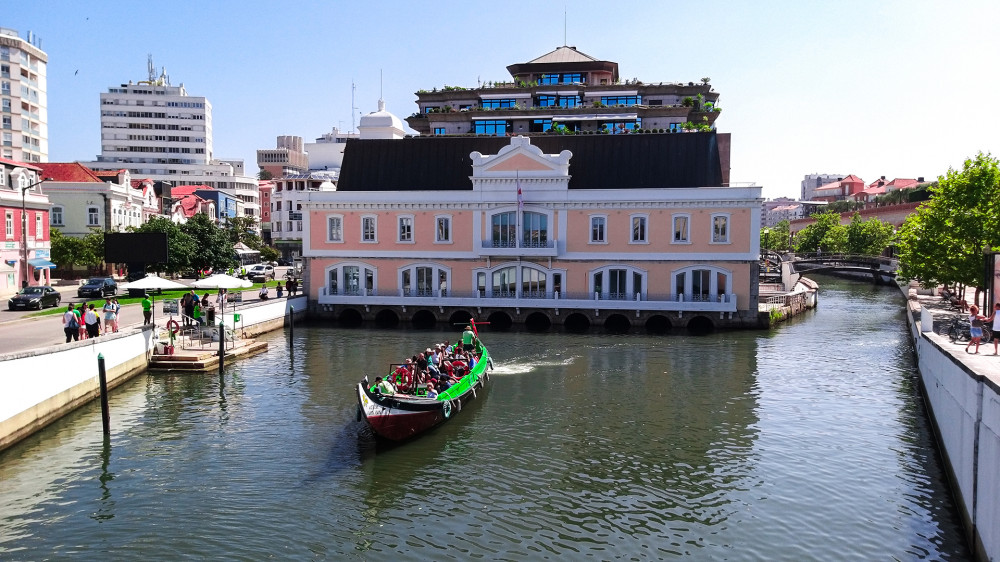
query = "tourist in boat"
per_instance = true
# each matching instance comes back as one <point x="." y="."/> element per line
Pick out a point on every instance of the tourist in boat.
<point x="467" y="339"/>
<point x="383" y="386"/>
<point x="431" y="393"/>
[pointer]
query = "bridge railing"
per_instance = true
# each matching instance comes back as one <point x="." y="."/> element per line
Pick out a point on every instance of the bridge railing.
<point x="845" y="259"/>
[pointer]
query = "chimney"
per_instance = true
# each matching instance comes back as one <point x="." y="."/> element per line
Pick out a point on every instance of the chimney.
<point x="920" y="179"/>
<point x="883" y="178"/>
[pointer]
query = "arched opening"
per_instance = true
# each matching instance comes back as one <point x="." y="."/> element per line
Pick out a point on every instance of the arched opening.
<point x="459" y="317"/>
<point x="350" y="318"/>
<point x="423" y="320"/>
<point x="500" y="322"/>
<point x="537" y="322"/>
<point x="576" y="323"/>
<point x="700" y="325"/>
<point x="658" y="325"/>
<point x="617" y="324"/>
<point x="386" y="319"/>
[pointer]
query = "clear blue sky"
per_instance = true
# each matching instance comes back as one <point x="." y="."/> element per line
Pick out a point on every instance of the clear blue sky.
<point x="897" y="88"/>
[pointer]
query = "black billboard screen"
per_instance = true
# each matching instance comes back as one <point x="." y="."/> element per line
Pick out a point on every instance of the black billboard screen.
<point x="135" y="247"/>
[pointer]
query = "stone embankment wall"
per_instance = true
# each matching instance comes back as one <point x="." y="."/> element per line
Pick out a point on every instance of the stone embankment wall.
<point x="965" y="411"/>
<point x="42" y="385"/>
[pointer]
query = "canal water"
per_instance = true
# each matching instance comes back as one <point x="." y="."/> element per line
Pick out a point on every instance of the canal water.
<point x="809" y="442"/>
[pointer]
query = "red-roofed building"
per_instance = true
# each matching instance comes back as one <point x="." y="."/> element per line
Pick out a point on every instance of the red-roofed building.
<point x="188" y="206"/>
<point x="84" y="199"/>
<point x="24" y="241"/>
<point x="839" y="190"/>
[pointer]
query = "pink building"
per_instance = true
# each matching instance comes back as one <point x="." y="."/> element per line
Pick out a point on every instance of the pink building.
<point x="605" y="230"/>
<point x="24" y="243"/>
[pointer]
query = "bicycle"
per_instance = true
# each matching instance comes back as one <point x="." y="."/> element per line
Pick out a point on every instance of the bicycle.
<point x="958" y="332"/>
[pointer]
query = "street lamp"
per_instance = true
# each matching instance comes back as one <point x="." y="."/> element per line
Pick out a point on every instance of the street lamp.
<point x="24" y="186"/>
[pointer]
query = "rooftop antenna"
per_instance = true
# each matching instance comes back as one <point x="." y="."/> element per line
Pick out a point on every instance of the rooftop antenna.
<point x="150" y="69"/>
<point x="565" y="42"/>
<point x="353" y="108"/>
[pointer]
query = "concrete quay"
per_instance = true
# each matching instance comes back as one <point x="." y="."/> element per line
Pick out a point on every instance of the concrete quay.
<point x="40" y="385"/>
<point x="962" y="392"/>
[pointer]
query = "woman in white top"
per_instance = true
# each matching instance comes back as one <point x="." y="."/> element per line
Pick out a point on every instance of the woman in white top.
<point x="996" y="325"/>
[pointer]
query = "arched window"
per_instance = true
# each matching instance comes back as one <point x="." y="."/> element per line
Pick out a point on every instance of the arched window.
<point x="351" y="279"/>
<point x="526" y="281"/>
<point x="618" y="282"/>
<point x="504" y="230"/>
<point x="535" y="231"/>
<point x="424" y="280"/>
<point x="701" y="284"/>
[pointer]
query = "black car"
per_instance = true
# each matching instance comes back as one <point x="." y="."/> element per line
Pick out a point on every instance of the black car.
<point x="34" y="297"/>
<point x="98" y="287"/>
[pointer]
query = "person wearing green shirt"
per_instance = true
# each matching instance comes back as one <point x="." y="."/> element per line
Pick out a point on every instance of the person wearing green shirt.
<point x="467" y="337"/>
<point x="147" y="309"/>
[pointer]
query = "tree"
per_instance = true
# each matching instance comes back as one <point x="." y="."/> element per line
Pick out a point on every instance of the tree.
<point x="67" y="251"/>
<point x="180" y="246"/>
<point x="868" y="238"/>
<point x="268" y="253"/>
<point x="212" y="247"/>
<point x="243" y="229"/>
<point x="826" y="233"/>
<point x="775" y="237"/>
<point x="943" y="242"/>
<point x="264" y="175"/>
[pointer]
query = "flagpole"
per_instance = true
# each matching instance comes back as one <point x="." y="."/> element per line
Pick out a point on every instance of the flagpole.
<point x="520" y="204"/>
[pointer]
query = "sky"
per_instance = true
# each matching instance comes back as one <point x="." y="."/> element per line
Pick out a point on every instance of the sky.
<point x="896" y="88"/>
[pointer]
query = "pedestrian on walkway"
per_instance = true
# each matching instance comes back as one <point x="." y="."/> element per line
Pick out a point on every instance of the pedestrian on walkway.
<point x="118" y="313"/>
<point x="147" y="309"/>
<point x="109" y="315"/>
<point x="70" y="324"/>
<point x="975" y="327"/>
<point x="93" y="322"/>
<point x="995" y="318"/>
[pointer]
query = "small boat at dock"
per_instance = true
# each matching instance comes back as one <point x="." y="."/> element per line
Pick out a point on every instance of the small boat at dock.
<point x="399" y="407"/>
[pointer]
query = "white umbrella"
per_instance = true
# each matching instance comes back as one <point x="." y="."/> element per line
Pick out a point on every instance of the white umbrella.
<point x="223" y="281"/>
<point x="154" y="282"/>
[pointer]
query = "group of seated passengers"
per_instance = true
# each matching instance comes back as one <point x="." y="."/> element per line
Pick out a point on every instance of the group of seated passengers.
<point x="435" y="369"/>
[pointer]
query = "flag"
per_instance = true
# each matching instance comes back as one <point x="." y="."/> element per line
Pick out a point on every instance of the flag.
<point x="520" y="199"/>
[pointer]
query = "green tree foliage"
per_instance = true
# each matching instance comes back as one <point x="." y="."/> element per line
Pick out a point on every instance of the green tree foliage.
<point x="212" y="247"/>
<point x="825" y="233"/>
<point x="68" y="251"/>
<point x="775" y="237"/>
<point x="264" y="175"/>
<point x="943" y="241"/>
<point x="180" y="245"/>
<point x="243" y="229"/>
<point x="268" y="253"/>
<point x="868" y="238"/>
<point x="94" y="243"/>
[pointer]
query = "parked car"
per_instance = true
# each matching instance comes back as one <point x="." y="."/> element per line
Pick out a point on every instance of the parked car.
<point x="284" y="262"/>
<point x="37" y="297"/>
<point x="260" y="273"/>
<point x="98" y="287"/>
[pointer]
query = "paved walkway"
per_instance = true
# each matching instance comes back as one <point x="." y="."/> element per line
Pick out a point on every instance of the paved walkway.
<point x="983" y="363"/>
<point x="24" y="334"/>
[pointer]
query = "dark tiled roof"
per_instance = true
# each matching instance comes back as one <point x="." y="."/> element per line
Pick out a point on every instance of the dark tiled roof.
<point x="598" y="162"/>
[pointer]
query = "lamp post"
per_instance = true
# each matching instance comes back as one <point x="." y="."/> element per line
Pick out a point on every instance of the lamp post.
<point x="24" y="186"/>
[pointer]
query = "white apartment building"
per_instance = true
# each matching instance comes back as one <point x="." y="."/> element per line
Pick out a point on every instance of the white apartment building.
<point x="158" y="131"/>
<point x="812" y="181"/>
<point x="327" y="153"/>
<point x="24" y="120"/>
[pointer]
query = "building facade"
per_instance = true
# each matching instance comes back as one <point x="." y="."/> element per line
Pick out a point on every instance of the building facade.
<point x="585" y="232"/>
<point x="24" y="243"/>
<point x="24" y="122"/>
<point x="287" y="158"/>
<point x="84" y="200"/>
<point x="813" y="181"/>
<point x="565" y="89"/>
<point x="159" y="131"/>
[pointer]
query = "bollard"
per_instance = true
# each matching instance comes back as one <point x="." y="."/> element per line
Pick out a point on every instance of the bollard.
<point x="222" y="346"/>
<point x="291" y="324"/>
<point x="102" y="377"/>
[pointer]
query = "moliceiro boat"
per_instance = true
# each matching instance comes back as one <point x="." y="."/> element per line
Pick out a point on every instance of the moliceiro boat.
<point x="405" y="403"/>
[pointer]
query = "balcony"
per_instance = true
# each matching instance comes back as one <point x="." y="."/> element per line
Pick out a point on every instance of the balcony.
<point x="514" y="248"/>
<point x="537" y="299"/>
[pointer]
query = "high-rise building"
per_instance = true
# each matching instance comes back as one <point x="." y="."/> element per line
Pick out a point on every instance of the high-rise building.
<point x="24" y="127"/>
<point x="159" y="131"/>
<point x="286" y="158"/>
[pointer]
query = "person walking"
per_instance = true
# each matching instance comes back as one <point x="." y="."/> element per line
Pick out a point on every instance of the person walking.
<point x="147" y="309"/>
<point x="118" y="313"/>
<point x="109" y="315"/>
<point x="995" y="318"/>
<point x="93" y="322"/>
<point x="975" y="327"/>
<point x="71" y="325"/>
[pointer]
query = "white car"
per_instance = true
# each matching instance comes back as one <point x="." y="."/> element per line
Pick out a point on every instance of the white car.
<point x="260" y="273"/>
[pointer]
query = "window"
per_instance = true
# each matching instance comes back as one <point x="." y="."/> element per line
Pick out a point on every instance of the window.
<point x="532" y="283"/>
<point x="405" y="229"/>
<point x="368" y="229"/>
<point x="440" y="131"/>
<point x="335" y="229"/>
<point x="639" y="229"/>
<point x="38" y="226"/>
<point x="551" y="100"/>
<point x="491" y="127"/>
<point x="720" y="229"/>
<point x="93" y="216"/>
<point x="504" y="232"/>
<point x="351" y="279"/>
<point x="539" y="125"/>
<point x="618" y="283"/>
<point x="535" y="233"/>
<point x="442" y="230"/>
<point x="505" y="282"/>
<point x="681" y="223"/>
<point x="9" y="224"/>
<point x="621" y="127"/>
<point x="621" y="100"/>
<point x="597" y="225"/>
<point x="424" y="280"/>
<point x="499" y="103"/>
<point x="702" y="284"/>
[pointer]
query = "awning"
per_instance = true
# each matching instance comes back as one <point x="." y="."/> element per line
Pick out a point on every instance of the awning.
<point x="5" y="267"/>
<point x="41" y="263"/>
<point x="611" y="117"/>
